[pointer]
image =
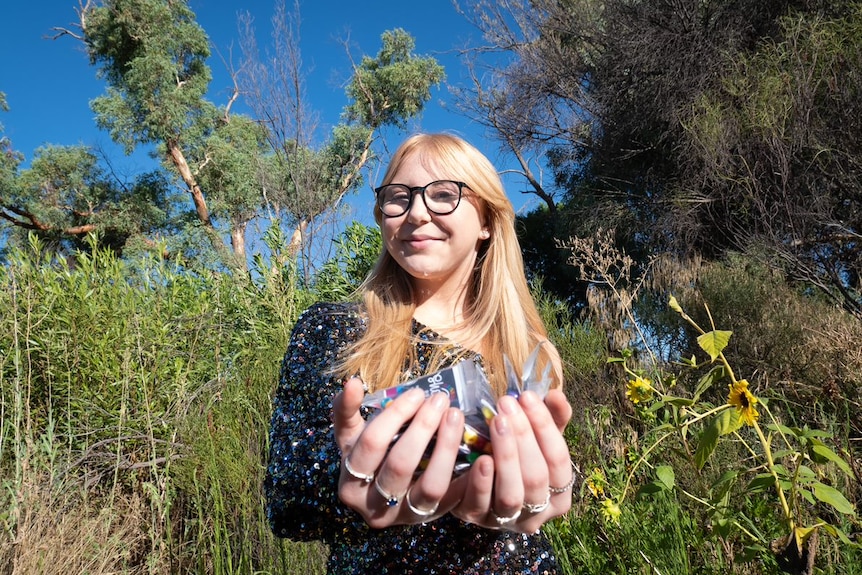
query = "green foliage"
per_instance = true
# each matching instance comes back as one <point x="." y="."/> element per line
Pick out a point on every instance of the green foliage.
<point x="65" y="194"/>
<point x="393" y="87"/>
<point x="810" y="364"/>
<point x="538" y="232"/>
<point x="775" y="129"/>
<point x="582" y="347"/>
<point x="356" y="251"/>
<point x="234" y="170"/>
<point x="150" y="381"/>
<point x="153" y="56"/>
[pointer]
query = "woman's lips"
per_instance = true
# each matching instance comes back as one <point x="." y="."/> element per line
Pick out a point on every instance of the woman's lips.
<point x="419" y="242"/>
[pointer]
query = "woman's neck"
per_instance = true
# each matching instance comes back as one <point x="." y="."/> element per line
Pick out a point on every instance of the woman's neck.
<point x="444" y="313"/>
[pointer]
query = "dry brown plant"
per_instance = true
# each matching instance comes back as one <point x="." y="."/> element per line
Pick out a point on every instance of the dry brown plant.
<point x="62" y="531"/>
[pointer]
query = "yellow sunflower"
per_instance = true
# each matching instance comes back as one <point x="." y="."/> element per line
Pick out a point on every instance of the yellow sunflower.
<point x="639" y="389"/>
<point x="743" y="400"/>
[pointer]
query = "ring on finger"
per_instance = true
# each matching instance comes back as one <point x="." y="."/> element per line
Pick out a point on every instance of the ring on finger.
<point x="506" y="520"/>
<point x="391" y="500"/>
<point x="538" y="507"/>
<point x="567" y="486"/>
<point x="363" y="477"/>
<point x="418" y="510"/>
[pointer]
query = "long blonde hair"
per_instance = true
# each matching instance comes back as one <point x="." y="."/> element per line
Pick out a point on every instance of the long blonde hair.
<point x="500" y="311"/>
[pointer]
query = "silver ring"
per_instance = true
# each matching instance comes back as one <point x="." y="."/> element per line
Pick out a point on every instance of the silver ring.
<point x="567" y="486"/>
<point x="506" y="520"/>
<point x="355" y="474"/>
<point x="418" y="510"/>
<point x="538" y="507"/>
<point x="391" y="500"/>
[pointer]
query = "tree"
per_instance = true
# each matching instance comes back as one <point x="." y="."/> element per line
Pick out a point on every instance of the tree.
<point x="65" y="195"/>
<point x="528" y="78"/>
<point x="694" y="127"/>
<point x="153" y="56"/>
<point x="305" y="180"/>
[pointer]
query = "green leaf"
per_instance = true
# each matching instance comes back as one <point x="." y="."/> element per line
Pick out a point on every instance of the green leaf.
<point x="804" y="474"/>
<point x="728" y="421"/>
<point x="714" y="342"/>
<point x="820" y="453"/>
<point x="835" y="532"/>
<point x="650" y="488"/>
<point x="706" y="445"/>
<point x="615" y="360"/>
<point x="665" y="475"/>
<point x="761" y="482"/>
<point x="679" y="401"/>
<point x="674" y="305"/>
<point x="829" y="495"/>
<point x="783" y="429"/>
<point x="726" y="477"/>
<point x="708" y="380"/>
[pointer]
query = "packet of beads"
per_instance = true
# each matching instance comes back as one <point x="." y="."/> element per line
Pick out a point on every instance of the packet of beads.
<point x="469" y="390"/>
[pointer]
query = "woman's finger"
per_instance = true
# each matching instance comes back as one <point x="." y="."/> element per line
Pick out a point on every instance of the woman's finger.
<point x="478" y="487"/>
<point x="425" y="499"/>
<point x="560" y="408"/>
<point x="377" y="435"/>
<point x="531" y="460"/>
<point x="346" y="418"/>
<point x="406" y="454"/>
<point x="508" y="476"/>
<point x="554" y="449"/>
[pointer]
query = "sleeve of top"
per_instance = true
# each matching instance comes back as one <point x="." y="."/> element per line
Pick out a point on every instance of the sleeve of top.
<point x="301" y="484"/>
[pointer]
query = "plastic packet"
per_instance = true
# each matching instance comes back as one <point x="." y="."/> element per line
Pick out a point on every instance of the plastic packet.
<point x="468" y="389"/>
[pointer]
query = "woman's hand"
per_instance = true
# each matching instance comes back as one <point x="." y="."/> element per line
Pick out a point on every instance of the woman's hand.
<point x="529" y="478"/>
<point x="377" y="476"/>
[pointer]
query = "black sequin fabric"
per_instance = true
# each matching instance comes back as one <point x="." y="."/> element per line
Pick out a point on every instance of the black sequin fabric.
<point x="301" y="485"/>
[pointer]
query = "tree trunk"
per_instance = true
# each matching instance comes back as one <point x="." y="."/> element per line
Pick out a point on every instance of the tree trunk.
<point x="296" y="239"/>
<point x="237" y="241"/>
<point x="182" y="166"/>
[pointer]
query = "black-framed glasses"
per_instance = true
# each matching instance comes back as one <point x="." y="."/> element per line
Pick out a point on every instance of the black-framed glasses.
<point x="441" y="197"/>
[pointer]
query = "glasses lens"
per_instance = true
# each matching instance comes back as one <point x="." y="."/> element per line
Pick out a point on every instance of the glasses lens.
<point x="442" y="197"/>
<point x="393" y="199"/>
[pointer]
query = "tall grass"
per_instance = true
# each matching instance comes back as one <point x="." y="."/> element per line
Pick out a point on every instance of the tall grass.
<point x="135" y="406"/>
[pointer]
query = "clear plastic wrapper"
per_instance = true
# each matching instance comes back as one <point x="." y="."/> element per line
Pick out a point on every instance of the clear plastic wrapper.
<point x="468" y="389"/>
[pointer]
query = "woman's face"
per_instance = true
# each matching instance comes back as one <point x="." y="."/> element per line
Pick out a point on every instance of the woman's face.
<point x="435" y="250"/>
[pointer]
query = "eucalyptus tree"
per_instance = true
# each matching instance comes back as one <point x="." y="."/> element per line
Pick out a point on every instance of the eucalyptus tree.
<point x="153" y="55"/>
<point x="65" y="194"/>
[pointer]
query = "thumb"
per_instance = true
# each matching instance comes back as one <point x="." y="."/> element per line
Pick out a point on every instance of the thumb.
<point x="346" y="418"/>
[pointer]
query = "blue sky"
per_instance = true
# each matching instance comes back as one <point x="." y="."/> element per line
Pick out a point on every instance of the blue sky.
<point x="49" y="83"/>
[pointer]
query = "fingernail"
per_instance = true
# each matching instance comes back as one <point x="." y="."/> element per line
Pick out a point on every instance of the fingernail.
<point x="529" y="398"/>
<point x="415" y="395"/>
<point x="502" y="424"/>
<point x="486" y="467"/>
<point x="440" y="400"/>
<point x="506" y="404"/>
<point x="454" y="416"/>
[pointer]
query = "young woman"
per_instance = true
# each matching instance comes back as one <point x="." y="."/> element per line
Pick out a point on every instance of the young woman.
<point x="449" y="285"/>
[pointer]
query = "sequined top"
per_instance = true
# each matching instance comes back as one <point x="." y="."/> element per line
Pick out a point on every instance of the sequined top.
<point x="301" y="484"/>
